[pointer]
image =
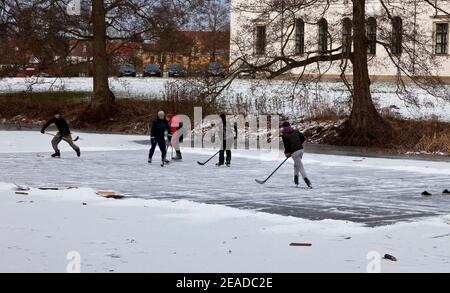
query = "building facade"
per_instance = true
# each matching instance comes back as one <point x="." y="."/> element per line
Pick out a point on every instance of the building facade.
<point x="192" y="49"/>
<point x="408" y="37"/>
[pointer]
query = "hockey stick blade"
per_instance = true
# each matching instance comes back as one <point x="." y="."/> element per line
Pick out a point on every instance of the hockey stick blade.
<point x="270" y="176"/>
<point x="73" y="140"/>
<point x="206" y="162"/>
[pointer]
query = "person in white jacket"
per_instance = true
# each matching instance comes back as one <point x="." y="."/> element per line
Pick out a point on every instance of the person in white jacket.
<point x="178" y="134"/>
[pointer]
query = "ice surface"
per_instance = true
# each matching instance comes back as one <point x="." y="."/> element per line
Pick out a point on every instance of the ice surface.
<point x="371" y="191"/>
<point x="166" y="226"/>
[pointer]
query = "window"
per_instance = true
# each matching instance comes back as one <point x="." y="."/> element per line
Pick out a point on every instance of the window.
<point x="441" y="38"/>
<point x="323" y="35"/>
<point x="397" y="36"/>
<point x="3" y="31"/>
<point x="346" y="35"/>
<point x="372" y="36"/>
<point x="299" y="37"/>
<point x="260" y="40"/>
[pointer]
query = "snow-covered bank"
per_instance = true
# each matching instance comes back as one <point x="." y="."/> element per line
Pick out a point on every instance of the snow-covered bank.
<point x="188" y="218"/>
<point x="273" y="96"/>
<point x="39" y="230"/>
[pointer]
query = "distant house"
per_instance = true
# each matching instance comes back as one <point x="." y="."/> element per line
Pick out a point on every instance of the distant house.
<point x="79" y="51"/>
<point x="120" y="52"/>
<point x="193" y="49"/>
<point x="125" y="52"/>
<point x="12" y="61"/>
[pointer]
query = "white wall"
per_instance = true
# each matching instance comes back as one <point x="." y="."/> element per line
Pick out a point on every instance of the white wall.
<point x="242" y="39"/>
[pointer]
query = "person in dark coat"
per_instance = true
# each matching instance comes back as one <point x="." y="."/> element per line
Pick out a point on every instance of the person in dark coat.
<point x="293" y="148"/>
<point x="63" y="134"/>
<point x="159" y="126"/>
<point x="227" y="136"/>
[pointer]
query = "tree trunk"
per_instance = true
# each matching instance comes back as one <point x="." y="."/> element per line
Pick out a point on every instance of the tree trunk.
<point x="103" y="98"/>
<point x="365" y="124"/>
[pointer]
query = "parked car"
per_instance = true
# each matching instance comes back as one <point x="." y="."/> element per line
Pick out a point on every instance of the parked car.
<point x="152" y="70"/>
<point x="127" y="70"/>
<point x="176" y="70"/>
<point x="43" y="74"/>
<point x="246" y="71"/>
<point x="216" y="70"/>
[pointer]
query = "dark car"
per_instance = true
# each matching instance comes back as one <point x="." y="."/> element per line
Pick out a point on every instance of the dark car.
<point x="127" y="70"/>
<point x="176" y="70"/>
<point x="43" y="74"/>
<point x="152" y="70"/>
<point x="245" y="71"/>
<point x="216" y="70"/>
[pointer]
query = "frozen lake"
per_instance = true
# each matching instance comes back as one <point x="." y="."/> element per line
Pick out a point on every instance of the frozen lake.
<point x="372" y="191"/>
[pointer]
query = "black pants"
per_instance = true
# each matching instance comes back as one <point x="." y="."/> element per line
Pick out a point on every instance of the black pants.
<point x="162" y="148"/>
<point x="222" y="157"/>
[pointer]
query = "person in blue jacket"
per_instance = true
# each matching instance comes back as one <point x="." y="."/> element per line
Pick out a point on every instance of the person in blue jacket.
<point x="159" y="127"/>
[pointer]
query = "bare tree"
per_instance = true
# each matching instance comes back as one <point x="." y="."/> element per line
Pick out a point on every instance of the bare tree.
<point x="99" y="22"/>
<point x="214" y="16"/>
<point x="271" y="38"/>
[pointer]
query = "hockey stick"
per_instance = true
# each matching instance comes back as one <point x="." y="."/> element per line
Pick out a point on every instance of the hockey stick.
<point x="206" y="162"/>
<point x="264" y="181"/>
<point x="163" y="161"/>
<point x="75" y="139"/>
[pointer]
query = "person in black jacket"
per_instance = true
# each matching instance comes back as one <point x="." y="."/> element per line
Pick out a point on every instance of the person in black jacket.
<point x="158" y="128"/>
<point x="63" y="134"/>
<point x="293" y="147"/>
<point x="227" y="135"/>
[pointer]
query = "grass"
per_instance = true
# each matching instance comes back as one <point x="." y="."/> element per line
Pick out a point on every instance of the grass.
<point x="431" y="136"/>
<point x="28" y="109"/>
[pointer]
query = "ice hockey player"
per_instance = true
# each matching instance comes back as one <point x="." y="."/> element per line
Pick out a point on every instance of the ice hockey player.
<point x="293" y="147"/>
<point x="63" y="134"/>
<point x="227" y="136"/>
<point x="159" y="126"/>
<point x="176" y="127"/>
